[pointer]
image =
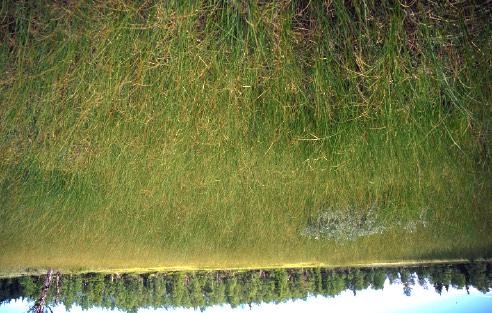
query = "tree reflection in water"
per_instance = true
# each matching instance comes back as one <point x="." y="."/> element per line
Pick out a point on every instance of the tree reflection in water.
<point x="202" y="289"/>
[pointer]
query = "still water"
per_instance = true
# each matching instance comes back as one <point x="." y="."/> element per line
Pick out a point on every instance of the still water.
<point x="438" y="288"/>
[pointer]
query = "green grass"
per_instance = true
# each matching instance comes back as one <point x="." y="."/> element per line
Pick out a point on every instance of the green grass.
<point x="209" y="133"/>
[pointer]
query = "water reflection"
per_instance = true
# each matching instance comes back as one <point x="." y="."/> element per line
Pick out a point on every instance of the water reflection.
<point x="255" y="290"/>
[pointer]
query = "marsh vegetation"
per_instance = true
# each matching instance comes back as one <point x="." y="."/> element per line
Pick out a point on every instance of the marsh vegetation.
<point x="217" y="133"/>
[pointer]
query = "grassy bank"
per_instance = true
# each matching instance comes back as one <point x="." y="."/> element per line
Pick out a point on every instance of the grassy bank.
<point x="206" y="133"/>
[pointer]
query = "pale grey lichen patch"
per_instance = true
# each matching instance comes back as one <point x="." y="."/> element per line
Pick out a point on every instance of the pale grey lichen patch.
<point x="350" y="224"/>
<point x="344" y="224"/>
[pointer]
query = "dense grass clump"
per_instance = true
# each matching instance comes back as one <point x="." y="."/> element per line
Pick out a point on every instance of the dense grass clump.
<point x="209" y="133"/>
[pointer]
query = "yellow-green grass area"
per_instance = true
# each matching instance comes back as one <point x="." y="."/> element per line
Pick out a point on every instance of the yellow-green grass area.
<point x="207" y="134"/>
<point x="40" y="271"/>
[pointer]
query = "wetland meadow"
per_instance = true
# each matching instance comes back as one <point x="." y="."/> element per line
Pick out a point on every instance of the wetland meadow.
<point x="273" y="142"/>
